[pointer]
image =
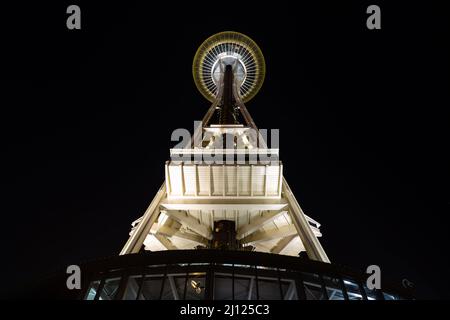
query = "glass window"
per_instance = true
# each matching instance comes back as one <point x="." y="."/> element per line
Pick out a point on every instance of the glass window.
<point x="353" y="291"/>
<point x="225" y="264"/>
<point x="195" y="288"/>
<point x="371" y="294"/>
<point x="390" y="296"/>
<point x="173" y="287"/>
<point x="110" y="289"/>
<point x="178" y="287"/>
<point x="132" y="288"/>
<point x="313" y="287"/>
<point x="289" y="289"/>
<point x="269" y="288"/>
<point x="151" y="287"/>
<point x="265" y="268"/>
<point x="223" y="286"/>
<point x="244" y="288"/>
<point x="92" y="291"/>
<point x="334" y="288"/>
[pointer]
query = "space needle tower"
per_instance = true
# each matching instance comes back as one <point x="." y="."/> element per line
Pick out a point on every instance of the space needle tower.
<point x="225" y="224"/>
<point x="227" y="204"/>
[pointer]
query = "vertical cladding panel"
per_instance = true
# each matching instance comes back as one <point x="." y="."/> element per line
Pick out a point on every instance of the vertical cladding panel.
<point x="217" y="172"/>
<point x="244" y="180"/>
<point x="175" y="180"/>
<point x="203" y="180"/>
<point x="189" y="179"/>
<point x="255" y="214"/>
<point x="220" y="215"/>
<point x="198" y="178"/>
<point x="230" y="180"/>
<point x="258" y="180"/>
<point x="272" y="178"/>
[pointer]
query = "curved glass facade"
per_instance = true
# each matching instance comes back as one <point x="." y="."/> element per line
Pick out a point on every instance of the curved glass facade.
<point x="226" y="275"/>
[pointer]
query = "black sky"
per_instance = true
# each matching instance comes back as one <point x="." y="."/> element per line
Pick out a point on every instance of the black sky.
<point x="87" y="117"/>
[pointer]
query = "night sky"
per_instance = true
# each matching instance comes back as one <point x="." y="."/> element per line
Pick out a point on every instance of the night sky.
<point x="86" y="119"/>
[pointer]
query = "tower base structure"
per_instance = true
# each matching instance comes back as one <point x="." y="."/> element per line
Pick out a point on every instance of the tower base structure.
<point x="218" y="275"/>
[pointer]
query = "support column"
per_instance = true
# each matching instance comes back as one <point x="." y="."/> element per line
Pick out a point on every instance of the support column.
<point x="312" y="245"/>
<point x="150" y="216"/>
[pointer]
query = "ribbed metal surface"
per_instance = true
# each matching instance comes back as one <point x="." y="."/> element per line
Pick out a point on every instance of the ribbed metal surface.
<point x="250" y="69"/>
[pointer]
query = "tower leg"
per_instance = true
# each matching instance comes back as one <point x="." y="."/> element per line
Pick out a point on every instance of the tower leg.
<point x="312" y="245"/>
<point x="136" y="240"/>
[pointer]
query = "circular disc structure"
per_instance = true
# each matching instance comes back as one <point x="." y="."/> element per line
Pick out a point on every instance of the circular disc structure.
<point x="229" y="48"/>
